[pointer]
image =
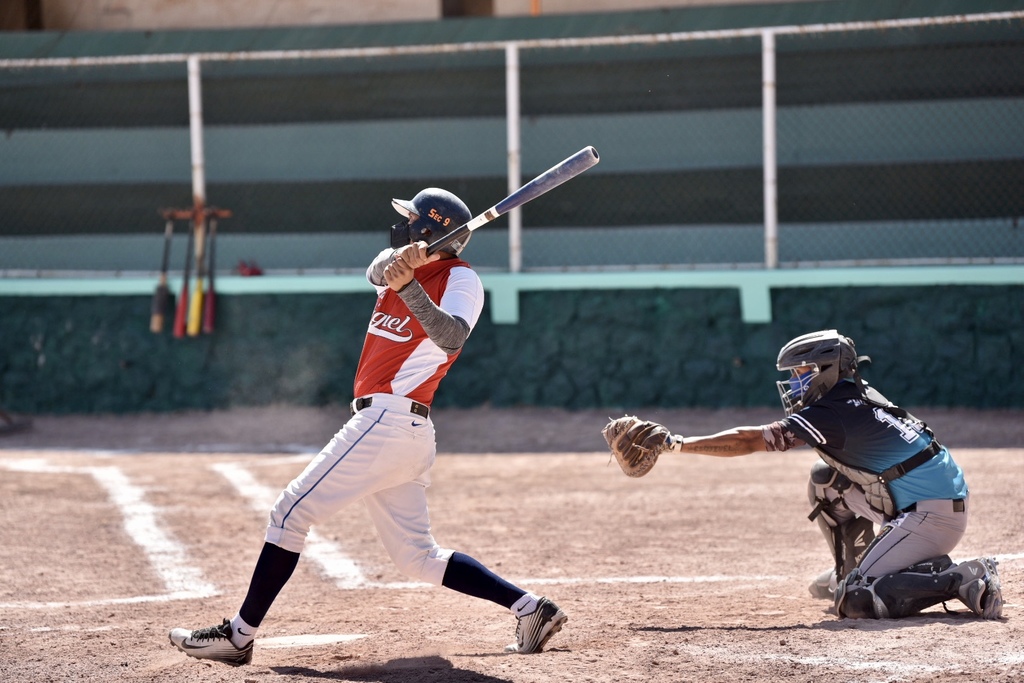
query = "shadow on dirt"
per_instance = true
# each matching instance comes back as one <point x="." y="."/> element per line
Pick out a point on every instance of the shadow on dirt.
<point x="431" y="669"/>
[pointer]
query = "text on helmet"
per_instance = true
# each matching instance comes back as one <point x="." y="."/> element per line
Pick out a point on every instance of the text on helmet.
<point x="439" y="218"/>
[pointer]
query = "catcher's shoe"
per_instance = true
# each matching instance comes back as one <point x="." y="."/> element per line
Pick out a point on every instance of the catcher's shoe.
<point x="983" y="594"/>
<point x="534" y="630"/>
<point x="211" y="643"/>
<point x="824" y="585"/>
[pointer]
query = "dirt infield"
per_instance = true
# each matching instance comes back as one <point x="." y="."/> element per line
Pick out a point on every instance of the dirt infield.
<point x="114" y="530"/>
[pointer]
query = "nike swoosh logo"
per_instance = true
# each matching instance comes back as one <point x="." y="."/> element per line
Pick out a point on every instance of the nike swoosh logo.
<point x="418" y="424"/>
<point x="194" y="647"/>
<point x="243" y="633"/>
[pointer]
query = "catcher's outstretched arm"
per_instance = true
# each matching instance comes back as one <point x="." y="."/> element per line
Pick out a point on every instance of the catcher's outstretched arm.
<point x="725" y="444"/>
<point x="636" y="444"/>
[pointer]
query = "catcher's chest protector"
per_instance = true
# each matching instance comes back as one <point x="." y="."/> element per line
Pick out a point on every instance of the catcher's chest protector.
<point x="876" y="484"/>
<point x="877" y="492"/>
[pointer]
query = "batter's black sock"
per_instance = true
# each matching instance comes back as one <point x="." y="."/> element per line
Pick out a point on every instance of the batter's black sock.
<point x="272" y="572"/>
<point x="466" y="575"/>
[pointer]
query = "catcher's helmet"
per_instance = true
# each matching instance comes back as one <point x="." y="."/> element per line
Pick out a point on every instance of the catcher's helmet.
<point x="431" y="214"/>
<point x="830" y="357"/>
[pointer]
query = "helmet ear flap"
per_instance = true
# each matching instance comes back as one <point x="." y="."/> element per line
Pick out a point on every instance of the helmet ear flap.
<point x="419" y="230"/>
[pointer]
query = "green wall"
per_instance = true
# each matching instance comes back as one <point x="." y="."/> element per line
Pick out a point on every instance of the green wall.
<point x="935" y="346"/>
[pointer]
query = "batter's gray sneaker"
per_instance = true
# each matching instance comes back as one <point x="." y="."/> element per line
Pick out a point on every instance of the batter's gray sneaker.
<point x="211" y="643"/>
<point x="980" y="589"/>
<point x="534" y="630"/>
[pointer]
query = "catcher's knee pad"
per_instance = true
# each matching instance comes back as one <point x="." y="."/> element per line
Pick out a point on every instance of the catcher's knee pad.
<point x="825" y="476"/>
<point x="901" y="594"/>
<point x="847" y="536"/>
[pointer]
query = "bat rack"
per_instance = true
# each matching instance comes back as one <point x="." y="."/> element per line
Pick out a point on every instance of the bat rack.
<point x="191" y="214"/>
<point x="195" y="314"/>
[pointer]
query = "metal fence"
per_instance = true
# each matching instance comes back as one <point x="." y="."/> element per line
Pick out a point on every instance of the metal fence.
<point x="875" y="143"/>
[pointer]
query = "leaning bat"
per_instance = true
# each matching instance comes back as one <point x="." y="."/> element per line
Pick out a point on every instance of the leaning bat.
<point x="161" y="296"/>
<point x="545" y="182"/>
<point x="195" y="311"/>
<point x="181" y="313"/>
<point x="211" y="294"/>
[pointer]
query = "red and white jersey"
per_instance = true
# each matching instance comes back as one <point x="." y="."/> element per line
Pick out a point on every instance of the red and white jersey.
<point x="398" y="357"/>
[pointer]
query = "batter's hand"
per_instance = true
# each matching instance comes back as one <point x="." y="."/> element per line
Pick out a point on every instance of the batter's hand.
<point x="400" y="272"/>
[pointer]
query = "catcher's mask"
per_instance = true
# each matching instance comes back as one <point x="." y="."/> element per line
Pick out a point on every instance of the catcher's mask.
<point x="430" y="215"/>
<point x="828" y="358"/>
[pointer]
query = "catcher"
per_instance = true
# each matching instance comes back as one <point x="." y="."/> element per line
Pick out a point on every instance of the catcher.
<point x="879" y="465"/>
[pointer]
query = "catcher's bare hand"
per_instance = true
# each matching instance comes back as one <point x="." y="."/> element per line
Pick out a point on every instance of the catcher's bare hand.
<point x="636" y="444"/>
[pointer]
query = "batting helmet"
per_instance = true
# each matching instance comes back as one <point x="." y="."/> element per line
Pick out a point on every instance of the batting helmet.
<point x="430" y="215"/>
<point x="830" y="356"/>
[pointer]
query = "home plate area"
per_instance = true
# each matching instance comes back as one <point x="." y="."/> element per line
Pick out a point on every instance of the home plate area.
<point x="697" y="571"/>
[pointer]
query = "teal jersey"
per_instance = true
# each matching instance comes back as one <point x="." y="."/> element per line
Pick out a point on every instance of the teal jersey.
<point x="853" y="431"/>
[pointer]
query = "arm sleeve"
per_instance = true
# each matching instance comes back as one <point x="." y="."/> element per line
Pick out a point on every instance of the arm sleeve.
<point x="778" y="437"/>
<point x="375" y="272"/>
<point x="449" y="332"/>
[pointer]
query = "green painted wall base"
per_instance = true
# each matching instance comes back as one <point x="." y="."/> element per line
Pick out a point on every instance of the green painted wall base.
<point x="938" y="345"/>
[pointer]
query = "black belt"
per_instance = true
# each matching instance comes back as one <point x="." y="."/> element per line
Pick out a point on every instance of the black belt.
<point x="414" y="407"/>
<point x="958" y="506"/>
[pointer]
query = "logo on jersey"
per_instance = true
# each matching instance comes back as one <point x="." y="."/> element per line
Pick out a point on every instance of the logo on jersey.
<point x="390" y="327"/>
<point x="906" y="432"/>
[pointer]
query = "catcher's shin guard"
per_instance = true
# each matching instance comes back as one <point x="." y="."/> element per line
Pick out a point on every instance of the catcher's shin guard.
<point x="905" y="593"/>
<point x="856" y="598"/>
<point x="847" y="538"/>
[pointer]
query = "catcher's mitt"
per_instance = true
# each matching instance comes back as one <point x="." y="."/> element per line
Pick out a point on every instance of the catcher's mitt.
<point x="635" y="443"/>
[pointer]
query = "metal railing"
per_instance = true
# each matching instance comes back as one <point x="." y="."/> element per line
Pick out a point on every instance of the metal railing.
<point x="996" y="221"/>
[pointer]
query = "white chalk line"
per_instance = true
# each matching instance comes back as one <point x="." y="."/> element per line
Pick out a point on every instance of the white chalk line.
<point x="170" y="561"/>
<point x="135" y="599"/>
<point x="572" y="581"/>
<point x="346" y="574"/>
<point x="142" y="524"/>
<point x="333" y="562"/>
<point x="277" y="642"/>
<point x="184" y="582"/>
<point x="1009" y="558"/>
<point x="311" y="640"/>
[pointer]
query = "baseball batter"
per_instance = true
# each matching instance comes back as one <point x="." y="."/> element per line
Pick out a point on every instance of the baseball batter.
<point x="426" y="308"/>
<point x="879" y="465"/>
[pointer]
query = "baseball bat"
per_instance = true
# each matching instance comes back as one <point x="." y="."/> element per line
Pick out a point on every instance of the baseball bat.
<point x="211" y="293"/>
<point x="545" y="182"/>
<point x="161" y="296"/>
<point x="181" y="313"/>
<point x="195" y="311"/>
